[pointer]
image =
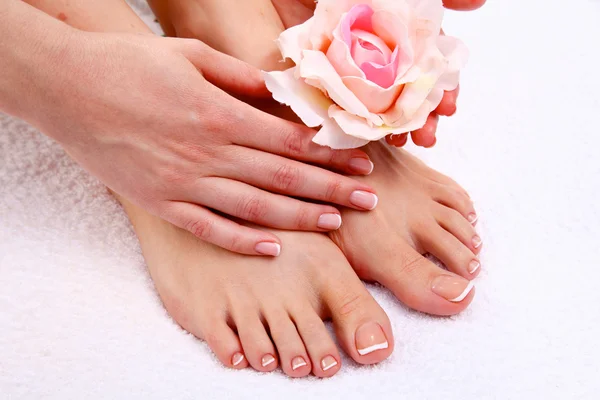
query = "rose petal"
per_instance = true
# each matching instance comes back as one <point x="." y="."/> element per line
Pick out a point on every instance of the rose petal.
<point x="339" y="56"/>
<point x="394" y="31"/>
<point x="309" y="103"/>
<point x="327" y="16"/>
<point x="366" y="47"/>
<point x="373" y="96"/>
<point x="292" y="41"/>
<point x="359" y="17"/>
<point x="456" y="53"/>
<point x="333" y="136"/>
<point x="382" y="75"/>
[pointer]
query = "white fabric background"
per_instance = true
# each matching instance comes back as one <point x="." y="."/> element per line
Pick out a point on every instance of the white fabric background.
<point x="79" y="317"/>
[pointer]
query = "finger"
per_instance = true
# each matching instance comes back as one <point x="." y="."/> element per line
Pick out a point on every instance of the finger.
<point x="280" y="175"/>
<point x="447" y="106"/>
<point x="292" y="140"/>
<point x="425" y="136"/>
<point x="223" y="71"/>
<point x="220" y="231"/>
<point x="397" y="140"/>
<point x="267" y="209"/>
<point x="463" y="5"/>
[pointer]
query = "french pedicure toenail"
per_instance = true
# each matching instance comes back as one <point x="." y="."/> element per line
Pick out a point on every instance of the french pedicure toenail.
<point x="329" y="221"/>
<point x="363" y="199"/>
<point x="268" y="248"/>
<point x="472" y="218"/>
<point x="328" y="362"/>
<point x="298" y="362"/>
<point x="474" y="266"/>
<point x="237" y="359"/>
<point x="477" y="242"/>
<point x="370" y="338"/>
<point x="361" y="165"/>
<point x="267" y="360"/>
<point x="452" y="288"/>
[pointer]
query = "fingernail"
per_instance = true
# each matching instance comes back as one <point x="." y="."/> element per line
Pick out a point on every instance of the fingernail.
<point x="472" y="218"/>
<point x="361" y="165"/>
<point x="477" y="242"/>
<point x="369" y="338"/>
<point x="452" y="288"/>
<point x="267" y="360"/>
<point x="362" y="199"/>
<point x="329" y="221"/>
<point x="237" y="359"/>
<point x="268" y="248"/>
<point x="474" y="266"/>
<point x="298" y="362"/>
<point x="328" y="362"/>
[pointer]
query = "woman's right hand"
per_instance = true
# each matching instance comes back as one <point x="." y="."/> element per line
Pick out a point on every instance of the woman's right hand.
<point x="151" y="118"/>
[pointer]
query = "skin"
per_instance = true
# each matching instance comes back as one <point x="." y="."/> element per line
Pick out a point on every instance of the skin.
<point x="104" y="97"/>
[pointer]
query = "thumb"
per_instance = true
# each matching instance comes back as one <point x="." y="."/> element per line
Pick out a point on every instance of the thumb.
<point x="226" y="72"/>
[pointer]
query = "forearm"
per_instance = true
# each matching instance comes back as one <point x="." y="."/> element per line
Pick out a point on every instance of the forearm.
<point x="31" y="44"/>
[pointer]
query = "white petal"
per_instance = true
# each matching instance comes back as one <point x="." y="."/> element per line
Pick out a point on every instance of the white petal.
<point x="309" y="103"/>
<point x="292" y="41"/>
<point x="356" y="126"/>
<point x="333" y="136"/>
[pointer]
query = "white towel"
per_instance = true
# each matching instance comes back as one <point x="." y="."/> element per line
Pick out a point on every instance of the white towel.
<point x="79" y="317"/>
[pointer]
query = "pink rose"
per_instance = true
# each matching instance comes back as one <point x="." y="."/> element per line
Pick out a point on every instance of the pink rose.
<point x="367" y="68"/>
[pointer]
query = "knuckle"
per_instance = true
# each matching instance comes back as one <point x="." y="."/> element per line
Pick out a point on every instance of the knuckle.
<point x="287" y="178"/>
<point x="350" y="304"/>
<point x="252" y="208"/>
<point x="200" y="228"/>
<point x="294" y="143"/>
<point x="302" y="220"/>
<point x="333" y="189"/>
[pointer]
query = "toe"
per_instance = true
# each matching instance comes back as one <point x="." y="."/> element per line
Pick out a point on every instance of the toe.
<point x="225" y="344"/>
<point x="448" y="249"/>
<point x="456" y="199"/>
<point x="293" y="357"/>
<point x="323" y="354"/>
<point x="362" y="327"/>
<point x="258" y="347"/>
<point x="422" y="285"/>
<point x="456" y="224"/>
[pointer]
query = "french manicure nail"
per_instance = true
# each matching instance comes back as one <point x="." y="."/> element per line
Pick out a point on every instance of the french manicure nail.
<point x="452" y="288"/>
<point x="328" y="362"/>
<point x="268" y="248"/>
<point x="472" y="218"/>
<point x="237" y="359"/>
<point x="298" y="362"/>
<point x="267" y="360"/>
<point x="369" y="338"/>
<point x="329" y="221"/>
<point x="361" y="165"/>
<point x="477" y="241"/>
<point x="362" y="199"/>
<point x="474" y="266"/>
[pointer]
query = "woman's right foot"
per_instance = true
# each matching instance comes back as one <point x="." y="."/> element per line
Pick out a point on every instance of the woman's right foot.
<point x="265" y="311"/>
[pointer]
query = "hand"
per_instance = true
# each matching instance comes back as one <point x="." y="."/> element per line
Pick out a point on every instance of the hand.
<point x="148" y="117"/>
<point x="294" y="12"/>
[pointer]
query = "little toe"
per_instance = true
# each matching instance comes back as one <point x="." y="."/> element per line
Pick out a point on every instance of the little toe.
<point x="293" y="357"/>
<point x="362" y="327"/>
<point x="323" y="353"/>
<point x="456" y="199"/>
<point x="456" y="224"/>
<point x="422" y="285"/>
<point x="258" y="347"/>
<point x="452" y="252"/>
<point x="225" y="344"/>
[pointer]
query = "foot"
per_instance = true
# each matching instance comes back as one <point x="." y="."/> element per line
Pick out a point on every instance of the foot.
<point x="265" y="312"/>
<point x="420" y="212"/>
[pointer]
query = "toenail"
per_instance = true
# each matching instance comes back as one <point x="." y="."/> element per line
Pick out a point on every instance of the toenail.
<point x="268" y="249"/>
<point x="473" y="218"/>
<point x="474" y="266"/>
<point x="452" y="288"/>
<point x="267" y="360"/>
<point x="329" y="221"/>
<point x="361" y="165"/>
<point x="362" y="199"/>
<point x="477" y="241"/>
<point x="328" y="362"/>
<point x="298" y="362"/>
<point x="237" y="359"/>
<point x="370" y="338"/>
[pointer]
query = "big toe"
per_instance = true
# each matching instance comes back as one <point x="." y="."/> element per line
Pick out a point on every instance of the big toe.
<point x="362" y="327"/>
